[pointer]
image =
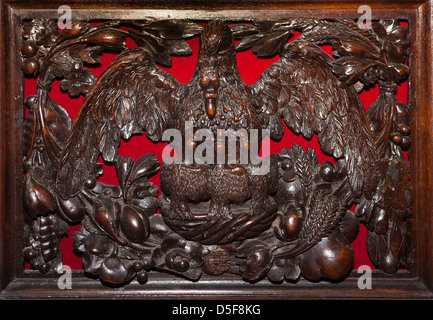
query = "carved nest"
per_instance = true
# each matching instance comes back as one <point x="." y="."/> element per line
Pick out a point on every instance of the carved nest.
<point x="218" y="230"/>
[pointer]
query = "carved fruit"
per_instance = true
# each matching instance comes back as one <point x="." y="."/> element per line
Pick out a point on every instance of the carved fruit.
<point x="38" y="199"/>
<point x="349" y="226"/>
<point x="291" y="226"/>
<point x="71" y="210"/>
<point x="113" y="271"/>
<point x="330" y="173"/>
<point x="256" y="264"/>
<point x="332" y="258"/>
<point x="29" y="48"/>
<point x="177" y="259"/>
<point x="30" y="66"/>
<point x="134" y="224"/>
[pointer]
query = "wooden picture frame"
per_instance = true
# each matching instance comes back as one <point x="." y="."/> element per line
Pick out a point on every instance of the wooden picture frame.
<point x="415" y="282"/>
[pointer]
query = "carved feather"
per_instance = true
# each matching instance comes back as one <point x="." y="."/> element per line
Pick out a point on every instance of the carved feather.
<point x="302" y="89"/>
<point x="132" y="95"/>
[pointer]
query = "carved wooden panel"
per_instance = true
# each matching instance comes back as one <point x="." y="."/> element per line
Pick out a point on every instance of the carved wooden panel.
<point x="225" y="216"/>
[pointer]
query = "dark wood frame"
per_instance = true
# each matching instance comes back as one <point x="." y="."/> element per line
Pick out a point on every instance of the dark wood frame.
<point x="414" y="283"/>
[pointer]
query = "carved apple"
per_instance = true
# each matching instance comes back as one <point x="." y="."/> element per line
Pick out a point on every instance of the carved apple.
<point x="332" y="258"/>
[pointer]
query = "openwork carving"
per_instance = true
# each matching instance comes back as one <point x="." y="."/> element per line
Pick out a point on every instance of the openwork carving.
<point x="294" y="219"/>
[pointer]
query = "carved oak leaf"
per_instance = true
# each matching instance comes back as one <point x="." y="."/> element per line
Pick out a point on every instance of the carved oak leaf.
<point x="78" y="83"/>
<point x="371" y="60"/>
<point x="90" y="55"/>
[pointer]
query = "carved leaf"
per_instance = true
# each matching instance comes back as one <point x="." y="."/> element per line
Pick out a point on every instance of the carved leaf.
<point x="57" y="120"/>
<point x="241" y="30"/>
<point x="145" y="166"/>
<point x="172" y="29"/>
<point x="271" y="44"/>
<point x="178" y="47"/>
<point x="123" y="168"/>
<point x="77" y="84"/>
<point x="349" y="70"/>
<point x="160" y="52"/>
<point x="380" y="116"/>
<point x="248" y="42"/>
<point x="91" y="55"/>
<point x="357" y="48"/>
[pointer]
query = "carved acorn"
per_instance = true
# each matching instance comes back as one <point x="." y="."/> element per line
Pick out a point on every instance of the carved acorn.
<point x="134" y="224"/>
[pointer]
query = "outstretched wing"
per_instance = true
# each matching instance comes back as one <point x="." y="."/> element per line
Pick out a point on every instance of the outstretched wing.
<point x="130" y="96"/>
<point x="302" y="89"/>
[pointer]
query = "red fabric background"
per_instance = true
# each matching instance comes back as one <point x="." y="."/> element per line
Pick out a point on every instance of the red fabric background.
<point x="250" y="68"/>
